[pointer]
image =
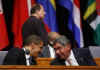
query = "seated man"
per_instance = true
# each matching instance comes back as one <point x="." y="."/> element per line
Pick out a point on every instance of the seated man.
<point x="48" y="51"/>
<point x="71" y="57"/>
<point x="27" y="55"/>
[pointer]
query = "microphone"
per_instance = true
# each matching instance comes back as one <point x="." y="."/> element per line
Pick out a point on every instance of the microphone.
<point x="27" y="52"/>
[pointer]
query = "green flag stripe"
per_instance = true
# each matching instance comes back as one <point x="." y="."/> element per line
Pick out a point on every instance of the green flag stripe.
<point x="97" y="35"/>
<point x="90" y="2"/>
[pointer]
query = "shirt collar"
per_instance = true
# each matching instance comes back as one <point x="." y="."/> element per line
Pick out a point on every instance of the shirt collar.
<point x="71" y="55"/>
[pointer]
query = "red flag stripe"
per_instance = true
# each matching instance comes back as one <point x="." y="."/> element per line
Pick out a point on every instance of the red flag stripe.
<point x="77" y="3"/>
<point x="47" y="28"/>
<point x="33" y="2"/>
<point x="19" y="16"/>
<point x="98" y="6"/>
<point x="3" y="33"/>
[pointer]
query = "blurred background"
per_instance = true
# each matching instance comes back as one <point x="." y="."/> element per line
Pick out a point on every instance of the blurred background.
<point x="77" y="19"/>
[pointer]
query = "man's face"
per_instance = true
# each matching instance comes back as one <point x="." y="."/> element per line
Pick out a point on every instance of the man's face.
<point x="62" y="52"/>
<point x="35" y="50"/>
<point x="41" y="13"/>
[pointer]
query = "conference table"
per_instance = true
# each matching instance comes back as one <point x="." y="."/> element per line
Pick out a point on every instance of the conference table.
<point x="43" y="64"/>
<point x="22" y="67"/>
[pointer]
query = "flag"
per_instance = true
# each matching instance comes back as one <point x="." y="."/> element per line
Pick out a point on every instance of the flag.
<point x="50" y="17"/>
<point x="97" y="30"/>
<point x="20" y="14"/>
<point x="78" y="23"/>
<point x="91" y="14"/>
<point x="3" y="32"/>
<point x="91" y="17"/>
<point x="74" y="22"/>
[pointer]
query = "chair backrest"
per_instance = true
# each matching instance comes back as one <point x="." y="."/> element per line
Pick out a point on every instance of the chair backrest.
<point x="2" y="56"/>
<point x="95" y="51"/>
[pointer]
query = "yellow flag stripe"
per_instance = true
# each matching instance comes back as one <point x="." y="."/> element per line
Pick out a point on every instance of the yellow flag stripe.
<point x="90" y="10"/>
<point x="53" y="3"/>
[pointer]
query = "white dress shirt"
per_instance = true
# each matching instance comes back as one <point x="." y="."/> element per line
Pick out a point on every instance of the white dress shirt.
<point x="27" y="58"/>
<point x="73" y="61"/>
<point x="52" y="51"/>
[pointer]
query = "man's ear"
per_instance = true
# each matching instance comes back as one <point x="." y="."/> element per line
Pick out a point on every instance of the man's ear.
<point x="41" y="43"/>
<point x="68" y="46"/>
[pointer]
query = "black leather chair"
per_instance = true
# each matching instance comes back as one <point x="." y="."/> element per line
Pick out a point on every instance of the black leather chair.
<point x="95" y="51"/>
<point x="2" y="56"/>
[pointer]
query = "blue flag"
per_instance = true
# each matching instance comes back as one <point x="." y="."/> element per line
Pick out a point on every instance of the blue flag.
<point x="50" y="17"/>
<point x="68" y="4"/>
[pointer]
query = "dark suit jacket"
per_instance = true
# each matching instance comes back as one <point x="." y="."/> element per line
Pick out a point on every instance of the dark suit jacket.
<point x="34" y="26"/>
<point x="16" y="56"/>
<point x="45" y="52"/>
<point x="82" y="56"/>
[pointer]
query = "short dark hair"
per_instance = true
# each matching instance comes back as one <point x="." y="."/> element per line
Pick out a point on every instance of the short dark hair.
<point x="62" y="40"/>
<point x="32" y="39"/>
<point x="35" y="7"/>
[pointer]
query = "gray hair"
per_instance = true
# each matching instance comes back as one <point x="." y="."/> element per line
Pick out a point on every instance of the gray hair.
<point x="62" y="40"/>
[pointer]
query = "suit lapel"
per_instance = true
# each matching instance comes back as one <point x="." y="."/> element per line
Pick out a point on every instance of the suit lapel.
<point x="78" y="57"/>
<point x="22" y="58"/>
<point x="46" y="51"/>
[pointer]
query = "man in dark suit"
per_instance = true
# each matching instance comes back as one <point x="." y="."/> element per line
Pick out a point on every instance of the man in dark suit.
<point x="34" y="24"/>
<point x="27" y="55"/>
<point x="71" y="57"/>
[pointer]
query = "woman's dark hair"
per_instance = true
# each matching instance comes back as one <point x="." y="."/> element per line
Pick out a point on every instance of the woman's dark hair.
<point x="35" y="8"/>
